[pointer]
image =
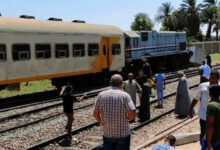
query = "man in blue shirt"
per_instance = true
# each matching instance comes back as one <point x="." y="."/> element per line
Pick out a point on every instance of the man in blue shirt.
<point x="160" y="86"/>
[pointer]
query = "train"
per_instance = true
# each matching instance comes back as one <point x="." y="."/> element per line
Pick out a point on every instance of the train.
<point x="80" y="53"/>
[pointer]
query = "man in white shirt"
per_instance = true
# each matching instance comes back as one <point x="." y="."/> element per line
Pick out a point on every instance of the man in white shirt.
<point x="202" y="95"/>
<point x="205" y="72"/>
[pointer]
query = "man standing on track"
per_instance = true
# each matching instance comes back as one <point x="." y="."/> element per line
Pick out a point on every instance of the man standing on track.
<point x="205" y="72"/>
<point x="147" y="68"/>
<point x="202" y="95"/>
<point x="132" y="87"/>
<point x="113" y="110"/>
<point x="209" y="60"/>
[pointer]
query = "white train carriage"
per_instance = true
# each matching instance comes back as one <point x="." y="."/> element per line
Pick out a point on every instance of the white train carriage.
<point x="36" y="49"/>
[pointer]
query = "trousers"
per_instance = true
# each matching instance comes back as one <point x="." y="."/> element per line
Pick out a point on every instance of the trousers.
<point x="117" y="143"/>
<point x="160" y="95"/>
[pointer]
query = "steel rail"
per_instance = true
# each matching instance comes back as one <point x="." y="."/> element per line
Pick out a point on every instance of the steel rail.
<point x="47" y="142"/>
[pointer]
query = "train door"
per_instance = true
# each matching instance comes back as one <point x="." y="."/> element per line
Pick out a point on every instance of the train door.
<point x="105" y="53"/>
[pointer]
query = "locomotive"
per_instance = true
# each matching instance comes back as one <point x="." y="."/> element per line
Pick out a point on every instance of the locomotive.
<point x="77" y="52"/>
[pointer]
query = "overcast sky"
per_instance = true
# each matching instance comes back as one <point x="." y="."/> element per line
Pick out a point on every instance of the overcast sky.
<point x="112" y="12"/>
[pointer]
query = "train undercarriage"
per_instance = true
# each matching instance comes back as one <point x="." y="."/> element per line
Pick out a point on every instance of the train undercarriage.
<point x="167" y="63"/>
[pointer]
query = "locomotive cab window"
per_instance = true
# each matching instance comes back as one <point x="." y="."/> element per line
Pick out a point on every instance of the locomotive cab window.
<point x="78" y="50"/>
<point x="42" y="51"/>
<point x="62" y="50"/>
<point x="116" y="49"/>
<point x="135" y="42"/>
<point x="93" y="49"/>
<point x="2" y="52"/>
<point x="144" y="36"/>
<point x="21" y="52"/>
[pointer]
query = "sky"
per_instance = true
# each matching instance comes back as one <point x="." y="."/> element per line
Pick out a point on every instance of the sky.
<point x="111" y="12"/>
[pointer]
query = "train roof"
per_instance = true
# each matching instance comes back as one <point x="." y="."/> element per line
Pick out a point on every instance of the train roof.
<point x="21" y="25"/>
<point x="132" y="33"/>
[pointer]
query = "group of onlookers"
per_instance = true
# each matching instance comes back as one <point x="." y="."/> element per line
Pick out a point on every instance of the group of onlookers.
<point x="208" y="94"/>
<point x="115" y="107"/>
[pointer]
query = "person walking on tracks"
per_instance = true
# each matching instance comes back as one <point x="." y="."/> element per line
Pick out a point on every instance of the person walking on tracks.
<point x="202" y="95"/>
<point x="182" y="96"/>
<point x="113" y="110"/>
<point x="132" y="87"/>
<point x="68" y="100"/>
<point x="160" y="86"/>
<point x="205" y="72"/>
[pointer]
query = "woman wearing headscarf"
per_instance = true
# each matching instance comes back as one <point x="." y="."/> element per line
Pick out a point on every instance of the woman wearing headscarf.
<point x="182" y="96"/>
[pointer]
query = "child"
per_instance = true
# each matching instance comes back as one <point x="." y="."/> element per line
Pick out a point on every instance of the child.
<point x="160" y="86"/>
<point x="169" y="144"/>
<point x="68" y="100"/>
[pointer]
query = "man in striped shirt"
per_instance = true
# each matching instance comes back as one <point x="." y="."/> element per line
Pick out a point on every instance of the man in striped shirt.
<point x="113" y="110"/>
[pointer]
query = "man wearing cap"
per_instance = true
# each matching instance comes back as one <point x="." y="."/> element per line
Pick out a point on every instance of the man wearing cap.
<point x="132" y="87"/>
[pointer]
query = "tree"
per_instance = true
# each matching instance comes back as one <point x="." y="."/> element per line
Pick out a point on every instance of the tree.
<point x="217" y="28"/>
<point x="142" y="22"/>
<point x="210" y="16"/>
<point x="179" y="20"/>
<point x="192" y="14"/>
<point x="164" y="16"/>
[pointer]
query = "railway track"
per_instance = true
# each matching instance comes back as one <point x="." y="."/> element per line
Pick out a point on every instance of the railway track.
<point x="92" y="130"/>
<point x="162" y="134"/>
<point x="20" y="131"/>
<point x="51" y="104"/>
<point x="53" y="116"/>
<point x="39" y="98"/>
<point x="42" y="111"/>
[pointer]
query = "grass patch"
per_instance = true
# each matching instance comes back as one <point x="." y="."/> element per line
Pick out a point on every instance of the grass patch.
<point x="215" y="57"/>
<point x="32" y="87"/>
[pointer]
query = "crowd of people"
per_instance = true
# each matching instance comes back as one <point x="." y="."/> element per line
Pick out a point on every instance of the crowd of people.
<point x="116" y="107"/>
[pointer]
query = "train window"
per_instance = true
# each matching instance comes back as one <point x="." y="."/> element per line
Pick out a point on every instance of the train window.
<point x="62" y="50"/>
<point x="21" y="52"/>
<point x="104" y="50"/>
<point x="116" y="49"/>
<point x="144" y="36"/>
<point x="127" y="42"/>
<point x="93" y="49"/>
<point x="78" y="50"/>
<point x="2" y="52"/>
<point x="42" y="51"/>
<point x="135" y="42"/>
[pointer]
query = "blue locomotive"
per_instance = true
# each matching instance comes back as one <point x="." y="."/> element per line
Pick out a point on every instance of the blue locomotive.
<point x="162" y="49"/>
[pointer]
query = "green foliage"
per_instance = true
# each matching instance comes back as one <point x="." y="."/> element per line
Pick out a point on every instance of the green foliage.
<point x="191" y="13"/>
<point x="142" y="22"/>
<point x="197" y="38"/>
<point x="32" y="87"/>
<point x="179" y="20"/>
<point x="209" y="16"/>
<point x="164" y="16"/>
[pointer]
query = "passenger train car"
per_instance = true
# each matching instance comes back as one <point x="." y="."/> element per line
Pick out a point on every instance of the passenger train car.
<point x="69" y="52"/>
<point x="34" y="50"/>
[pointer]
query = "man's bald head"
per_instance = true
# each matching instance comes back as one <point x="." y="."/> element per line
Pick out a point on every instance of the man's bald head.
<point x="116" y="80"/>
